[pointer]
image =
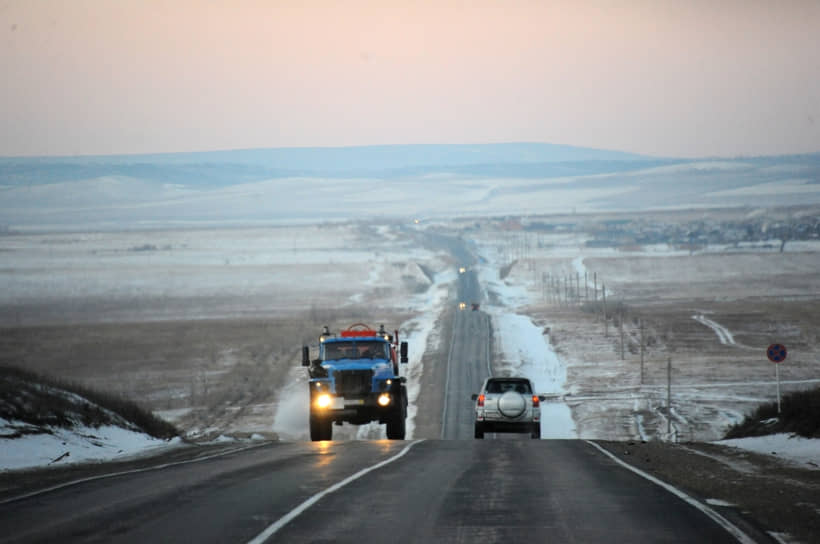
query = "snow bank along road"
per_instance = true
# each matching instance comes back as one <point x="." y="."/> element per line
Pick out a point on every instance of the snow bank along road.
<point x="371" y="491"/>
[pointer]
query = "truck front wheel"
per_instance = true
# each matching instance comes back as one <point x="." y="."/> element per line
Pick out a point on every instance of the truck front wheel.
<point x="321" y="429"/>
<point x="396" y="428"/>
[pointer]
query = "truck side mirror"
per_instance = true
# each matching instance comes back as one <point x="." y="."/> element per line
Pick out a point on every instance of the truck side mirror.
<point x="403" y="350"/>
<point x="305" y="356"/>
<point x="474" y="396"/>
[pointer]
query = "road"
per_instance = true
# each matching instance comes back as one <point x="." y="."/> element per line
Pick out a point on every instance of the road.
<point x="468" y="360"/>
<point x="454" y="489"/>
<point x="439" y="490"/>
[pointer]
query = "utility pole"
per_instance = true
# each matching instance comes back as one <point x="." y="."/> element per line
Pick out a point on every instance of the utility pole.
<point x="669" y="397"/>
<point x="595" y="286"/>
<point x="621" y="331"/>
<point x="566" y="291"/>
<point x="606" y="322"/>
<point x="577" y="287"/>
<point x="544" y="286"/>
<point x="642" y="349"/>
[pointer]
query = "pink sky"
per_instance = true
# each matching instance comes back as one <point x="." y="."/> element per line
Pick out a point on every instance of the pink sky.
<point x="674" y="78"/>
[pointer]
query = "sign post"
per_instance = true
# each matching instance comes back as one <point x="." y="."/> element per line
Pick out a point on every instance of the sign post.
<point x="777" y="354"/>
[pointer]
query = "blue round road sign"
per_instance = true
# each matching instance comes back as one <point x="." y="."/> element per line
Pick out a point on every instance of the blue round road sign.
<point x="776" y="353"/>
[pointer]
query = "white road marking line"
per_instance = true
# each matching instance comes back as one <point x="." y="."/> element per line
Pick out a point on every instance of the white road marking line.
<point x="717" y="518"/>
<point x="127" y="472"/>
<point x="290" y="516"/>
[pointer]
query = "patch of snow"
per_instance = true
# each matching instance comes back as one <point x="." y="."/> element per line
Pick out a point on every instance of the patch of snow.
<point x="794" y="449"/>
<point x="718" y="502"/>
<point x="68" y="446"/>
<point x="722" y="332"/>
<point x="639" y="422"/>
<point x="782" y="538"/>
<point x="780" y="187"/>
<point x="526" y="350"/>
<point x="173" y="415"/>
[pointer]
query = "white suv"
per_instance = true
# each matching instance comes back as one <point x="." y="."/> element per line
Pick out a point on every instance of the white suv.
<point x="507" y="405"/>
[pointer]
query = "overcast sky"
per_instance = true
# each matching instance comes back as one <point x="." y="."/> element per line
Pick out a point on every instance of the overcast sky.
<point x="660" y="77"/>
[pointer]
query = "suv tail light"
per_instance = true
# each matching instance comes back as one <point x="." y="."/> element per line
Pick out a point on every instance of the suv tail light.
<point x="535" y="401"/>
<point x="481" y="400"/>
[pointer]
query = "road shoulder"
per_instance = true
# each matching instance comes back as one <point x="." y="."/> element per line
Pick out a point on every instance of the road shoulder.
<point x="748" y="488"/>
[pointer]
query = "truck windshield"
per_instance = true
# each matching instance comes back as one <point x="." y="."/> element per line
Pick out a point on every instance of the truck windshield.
<point x="354" y="350"/>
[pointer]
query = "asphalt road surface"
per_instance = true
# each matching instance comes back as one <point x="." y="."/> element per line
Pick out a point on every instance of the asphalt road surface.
<point x="468" y="362"/>
<point x="451" y="490"/>
<point x="435" y="490"/>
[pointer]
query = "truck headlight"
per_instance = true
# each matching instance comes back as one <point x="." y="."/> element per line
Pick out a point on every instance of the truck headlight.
<point x="384" y="399"/>
<point x="323" y="401"/>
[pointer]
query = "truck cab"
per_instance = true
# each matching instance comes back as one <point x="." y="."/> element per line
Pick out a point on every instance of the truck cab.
<point x="356" y="379"/>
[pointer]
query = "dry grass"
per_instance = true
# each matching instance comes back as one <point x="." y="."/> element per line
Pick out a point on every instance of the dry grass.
<point x="799" y="414"/>
<point x="43" y="401"/>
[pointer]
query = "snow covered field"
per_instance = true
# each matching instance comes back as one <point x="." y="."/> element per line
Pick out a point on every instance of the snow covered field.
<point x="310" y="273"/>
<point x="243" y="271"/>
<point x="718" y="376"/>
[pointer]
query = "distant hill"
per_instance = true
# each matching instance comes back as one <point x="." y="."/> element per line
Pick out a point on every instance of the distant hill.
<point x="221" y="168"/>
<point x="273" y="186"/>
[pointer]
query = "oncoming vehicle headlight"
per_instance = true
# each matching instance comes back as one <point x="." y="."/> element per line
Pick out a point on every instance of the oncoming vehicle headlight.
<point x="384" y="399"/>
<point x="323" y="401"/>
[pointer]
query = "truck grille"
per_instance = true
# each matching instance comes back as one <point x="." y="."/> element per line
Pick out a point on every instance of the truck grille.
<point x="353" y="382"/>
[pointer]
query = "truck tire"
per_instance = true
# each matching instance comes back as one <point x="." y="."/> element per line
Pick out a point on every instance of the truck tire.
<point x="479" y="430"/>
<point x="396" y="428"/>
<point x="536" y="430"/>
<point x="321" y="429"/>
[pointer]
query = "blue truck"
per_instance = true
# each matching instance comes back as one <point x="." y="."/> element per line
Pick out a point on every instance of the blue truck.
<point x="355" y="379"/>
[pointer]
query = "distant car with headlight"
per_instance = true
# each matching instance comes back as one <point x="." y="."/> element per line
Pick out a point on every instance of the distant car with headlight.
<point x="507" y="405"/>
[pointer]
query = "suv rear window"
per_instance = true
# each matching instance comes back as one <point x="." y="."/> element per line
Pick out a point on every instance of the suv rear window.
<point x="502" y="386"/>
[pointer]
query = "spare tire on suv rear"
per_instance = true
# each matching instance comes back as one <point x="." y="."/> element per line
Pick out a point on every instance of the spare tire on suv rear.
<point x="511" y="404"/>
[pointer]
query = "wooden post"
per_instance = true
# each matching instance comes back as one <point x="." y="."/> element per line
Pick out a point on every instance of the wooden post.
<point x="669" y="396"/>
<point x="621" y="331"/>
<point x="544" y="286"/>
<point x="566" y="291"/>
<point x="577" y="287"/>
<point x="595" y="286"/>
<point x="642" y="349"/>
